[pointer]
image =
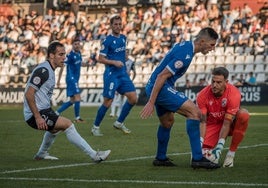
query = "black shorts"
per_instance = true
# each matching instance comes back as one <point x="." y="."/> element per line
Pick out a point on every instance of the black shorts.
<point x="48" y="115"/>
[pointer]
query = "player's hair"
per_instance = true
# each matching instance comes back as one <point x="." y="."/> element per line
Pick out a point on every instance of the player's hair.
<point x="52" y="47"/>
<point x="209" y="32"/>
<point x="115" y="17"/>
<point x="221" y="71"/>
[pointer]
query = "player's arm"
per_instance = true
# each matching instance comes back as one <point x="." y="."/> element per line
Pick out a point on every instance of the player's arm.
<point x="30" y="97"/>
<point x="159" y="82"/>
<point x="203" y="124"/>
<point x="228" y="120"/>
<point x="134" y="71"/>
<point x="104" y="60"/>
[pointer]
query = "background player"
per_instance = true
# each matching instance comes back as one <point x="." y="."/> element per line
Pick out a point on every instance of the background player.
<point x="115" y="78"/>
<point x="73" y="67"/>
<point x="221" y="116"/>
<point x="167" y="100"/>
<point x="37" y="108"/>
<point x="119" y="100"/>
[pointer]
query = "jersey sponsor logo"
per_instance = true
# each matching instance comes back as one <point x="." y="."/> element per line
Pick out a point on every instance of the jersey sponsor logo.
<point x="120" y="49"/>
<point x="36" y="80"/>
<point x="178" y="64"/>
<point x="217" y="114"/>
<point x="224" y="102"/>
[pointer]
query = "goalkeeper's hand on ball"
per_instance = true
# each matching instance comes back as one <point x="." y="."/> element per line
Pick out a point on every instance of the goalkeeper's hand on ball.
<point x="216" y="153"/>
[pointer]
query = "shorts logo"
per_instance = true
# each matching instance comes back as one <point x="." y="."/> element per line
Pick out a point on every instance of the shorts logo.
<point x="224" y="102"/>
<point x="178" y="64"/>
<point x="36" y="80"/>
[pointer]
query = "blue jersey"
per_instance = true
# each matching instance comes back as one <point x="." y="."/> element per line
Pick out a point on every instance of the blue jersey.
<point x="114" y="48"/>
<point x="177" y="61"/>
<point x="73" y="63"/>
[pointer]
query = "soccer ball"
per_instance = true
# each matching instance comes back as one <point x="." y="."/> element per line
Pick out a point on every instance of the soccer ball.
<point x="209" y="155"/>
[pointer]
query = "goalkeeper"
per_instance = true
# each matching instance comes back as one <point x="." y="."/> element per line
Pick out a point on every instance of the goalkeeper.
<point x="221" y="117"/>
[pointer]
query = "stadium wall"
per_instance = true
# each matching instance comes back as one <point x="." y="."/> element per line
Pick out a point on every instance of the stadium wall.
<point x="251" y="95"/>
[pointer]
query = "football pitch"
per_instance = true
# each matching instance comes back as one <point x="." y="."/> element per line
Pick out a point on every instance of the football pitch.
<point x="130" y="162"/>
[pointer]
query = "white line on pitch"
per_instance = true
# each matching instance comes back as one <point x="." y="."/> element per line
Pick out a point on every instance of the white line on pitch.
<point x="136" y="181"/>
<point x="111" y="161"/>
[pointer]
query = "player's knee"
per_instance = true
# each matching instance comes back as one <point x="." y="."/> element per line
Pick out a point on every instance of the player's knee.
<point x="167" y="121"/>
<point x="242" y="116"/>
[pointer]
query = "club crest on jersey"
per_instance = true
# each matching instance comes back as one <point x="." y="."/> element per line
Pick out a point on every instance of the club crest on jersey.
<point x="210" y="103"/>
<point x="223" y="102"/>
<point x="36" y="80"/>
<point x="178" y="64"/>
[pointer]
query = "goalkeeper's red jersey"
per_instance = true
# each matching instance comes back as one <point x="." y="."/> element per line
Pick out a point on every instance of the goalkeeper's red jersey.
<point x="216" y="108"/>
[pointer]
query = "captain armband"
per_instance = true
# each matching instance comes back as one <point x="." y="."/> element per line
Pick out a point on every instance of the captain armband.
<point x="229" y="117"/>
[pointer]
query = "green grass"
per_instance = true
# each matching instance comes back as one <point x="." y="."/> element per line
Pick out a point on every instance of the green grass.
<point x="130" y="163"/>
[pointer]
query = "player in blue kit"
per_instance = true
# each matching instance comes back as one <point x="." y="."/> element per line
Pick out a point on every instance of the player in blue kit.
<point x="73" y="66"/>
<point x="167" y="101"/>
<point x="115" y="78"/>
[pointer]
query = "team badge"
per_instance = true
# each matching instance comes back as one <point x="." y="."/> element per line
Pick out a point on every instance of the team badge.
<point x="210" y="103"/>
<point x="36" y="80"/>
<point x="223" y="102"/>
<point x="178" y="64"/>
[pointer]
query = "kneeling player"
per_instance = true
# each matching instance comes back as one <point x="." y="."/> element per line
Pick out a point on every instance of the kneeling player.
<point x="221" y="117"/>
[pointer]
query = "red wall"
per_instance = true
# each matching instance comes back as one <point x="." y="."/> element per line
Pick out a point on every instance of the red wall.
<point x="255" y="5"/>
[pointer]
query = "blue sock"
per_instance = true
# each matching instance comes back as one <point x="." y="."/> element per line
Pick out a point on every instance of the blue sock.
<point x="124" y="112"/>
<point x="193" y="132"/>
<point x="100" y="115"/>
<point x="163" y="135"/>
<point x="77" y="109"/>
<point x="64" y="106"/>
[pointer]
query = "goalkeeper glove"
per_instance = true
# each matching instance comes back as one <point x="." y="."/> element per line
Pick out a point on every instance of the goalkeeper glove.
<point x="216" y="152"/>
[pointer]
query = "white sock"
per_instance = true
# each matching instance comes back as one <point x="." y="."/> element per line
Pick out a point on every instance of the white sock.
<point x="231" y="153"/>
<point x="74" y="137"/>
<point x="48" y="140"/>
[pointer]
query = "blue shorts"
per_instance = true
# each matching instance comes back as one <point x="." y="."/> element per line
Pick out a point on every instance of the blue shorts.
<point x="72" y="88"/>
<point x="168" y="100"/>
<point x="122" y="84"/>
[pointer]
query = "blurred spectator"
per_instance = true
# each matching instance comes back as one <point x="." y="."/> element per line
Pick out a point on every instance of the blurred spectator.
<point x="251" y="80"/>
<point x="259" y="46"/>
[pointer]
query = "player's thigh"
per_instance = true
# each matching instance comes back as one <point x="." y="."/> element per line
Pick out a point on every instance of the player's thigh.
<point x="62" y="123"/>
<point x="169" y="100"/>
<point x="110" y="85"/>
<point x="189" y="110"/>
<point x="72" y="89"/>
<point x="126" y="86"/>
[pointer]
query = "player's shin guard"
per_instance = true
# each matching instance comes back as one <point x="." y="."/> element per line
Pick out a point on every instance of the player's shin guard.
<point x="100" y="115"/>
<point x="193" y="132"/>
<point x="48" y="140"/>
<point x="240" y="127"/>
<point x="163" y="135"/>
<point x="125" y="111"/>
<point x="77" y="109"/>
<point x="74" y="137"/>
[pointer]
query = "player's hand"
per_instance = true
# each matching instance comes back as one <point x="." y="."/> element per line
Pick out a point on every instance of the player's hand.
<point x="216" y="153"/>
<point x="41" y="123"/>
<point x="147" y="111"/>
<point x="118" y="64"/>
